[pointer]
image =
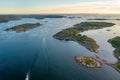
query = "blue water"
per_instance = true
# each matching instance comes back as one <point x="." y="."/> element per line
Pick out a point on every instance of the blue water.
<point x="36" y="52"/>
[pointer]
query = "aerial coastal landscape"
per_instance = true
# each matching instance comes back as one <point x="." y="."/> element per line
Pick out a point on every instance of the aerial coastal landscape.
<point x="72" y="33"/>
<point x="60" y="40"/>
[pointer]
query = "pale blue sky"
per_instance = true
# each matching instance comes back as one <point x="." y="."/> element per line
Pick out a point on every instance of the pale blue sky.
<point x="59" y="6"/>
<point x="27" y="3"/>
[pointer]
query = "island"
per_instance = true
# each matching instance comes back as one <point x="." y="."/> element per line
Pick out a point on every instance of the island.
<point x="73" y="34"/>
<point x="54" y="16"/>
<point x="89" y="62"/>
<point x="71" y="17"/>
<point x="116" y="44"/>
<point x="23" y="27"/>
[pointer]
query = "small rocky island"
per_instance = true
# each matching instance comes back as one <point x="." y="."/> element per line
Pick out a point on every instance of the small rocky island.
<point x="23" y="28"/>
<point x="89" y="62"/>
<point x="116" y="44"/>
<point x="73" y="34"/>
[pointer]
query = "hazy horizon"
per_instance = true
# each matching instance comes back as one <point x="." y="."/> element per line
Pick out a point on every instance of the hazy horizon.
<point x="60" y="7"/>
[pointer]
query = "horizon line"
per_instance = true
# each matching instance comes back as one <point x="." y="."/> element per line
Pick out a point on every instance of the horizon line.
<point x="57" y="13"/>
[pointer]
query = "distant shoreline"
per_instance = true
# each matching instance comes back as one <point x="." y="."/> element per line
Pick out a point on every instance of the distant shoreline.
<point x="56" y="14"/>
<point x="7" y="18"/>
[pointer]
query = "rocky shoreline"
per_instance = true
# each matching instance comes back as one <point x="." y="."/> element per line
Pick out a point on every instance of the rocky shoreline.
<point x="73" y="34"/>
<point x="115" y="42"/>
<point x="85" y="42"/>
<point x="88" y="62"/>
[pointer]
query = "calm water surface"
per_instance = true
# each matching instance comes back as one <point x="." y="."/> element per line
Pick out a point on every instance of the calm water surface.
<point x="37" y="53"/>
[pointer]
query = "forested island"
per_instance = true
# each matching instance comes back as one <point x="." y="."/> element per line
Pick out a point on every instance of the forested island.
<point x="23" y="28"/>
<point x="6" y="18"/>
<point x="116" y="44"/>
<point x="73" y="34"/>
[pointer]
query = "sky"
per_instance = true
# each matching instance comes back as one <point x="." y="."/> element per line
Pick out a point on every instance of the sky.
<point x="59" y="6"/>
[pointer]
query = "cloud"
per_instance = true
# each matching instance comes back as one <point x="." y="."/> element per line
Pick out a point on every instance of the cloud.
<point x="100" y="7"/>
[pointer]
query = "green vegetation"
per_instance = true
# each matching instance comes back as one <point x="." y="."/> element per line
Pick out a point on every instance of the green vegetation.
<point x="73" y="34"/>
<point x="92" y="25"/>
<point x="23" y="27"/>
<point x="118" y="66"/>
<point x="116" y="44"/>
<point x="89" y="61"/>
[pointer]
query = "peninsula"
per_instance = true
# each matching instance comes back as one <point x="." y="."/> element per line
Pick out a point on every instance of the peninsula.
<point x="73" y="34"/>
<point x="116" y="44"/>
<point x="23" y="28"/>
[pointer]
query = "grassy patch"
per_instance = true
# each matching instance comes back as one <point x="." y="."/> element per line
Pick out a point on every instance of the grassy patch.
<point x="118" y="66"/>
<point x="116" y="44"/>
